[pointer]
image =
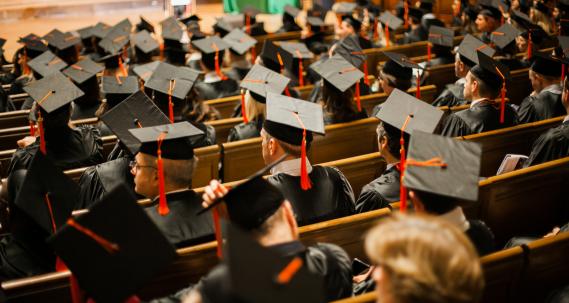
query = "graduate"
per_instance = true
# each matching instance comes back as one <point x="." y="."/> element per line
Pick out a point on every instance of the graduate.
<point x="68" y="147"/>
<point x="489" y="18"/>
<point x="251" y="26"/>
<point x="393" y="115"/>
<point x="440" y="44"/>
<point x="240" y="45"/>
<point x="162" y="170"/>
<point x="84" y="75"/>
<point x="289" y="20"/>
<point x="484" y="84"/>
<point x="417" y="32"/>
<point x="465" y="58"/>
<point x="544" y="102"/>
<point x="504" y="39"/>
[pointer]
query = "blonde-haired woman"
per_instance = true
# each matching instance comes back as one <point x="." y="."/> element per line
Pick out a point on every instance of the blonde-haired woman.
<point x="256" y="110"/>
<point x="423" y="259"/>
<point x="540" y="15"/>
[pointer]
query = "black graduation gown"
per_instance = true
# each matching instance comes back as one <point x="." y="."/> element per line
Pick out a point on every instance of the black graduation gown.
<point x="243" y="131"/>
<point x="365" y="43"/>
<point x="329" y="119"/>
<point x="551" y="145"/>
<point x="84" y="111"/>
<point x="380" y="192"/>
<point x="415" y="35"/>
<point x="182" y="226"/>
<point x="481" y="236"/>
<point x="330" y="197"/>
<point x="328" y="261"/>
<point x="74" y="148"/>
<point x="97" y="181"/>
<point x="6" y="104"/>
<point x="237" y="73"/>
<point x="547" y="104"/>
<point x="481" y="117"/>
<point x="218" y="89"/>
<point x="452" y="95"/>
<point x="257" y="29"/>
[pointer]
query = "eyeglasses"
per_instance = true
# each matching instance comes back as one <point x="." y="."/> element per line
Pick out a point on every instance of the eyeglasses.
<point x="134" y="166"/>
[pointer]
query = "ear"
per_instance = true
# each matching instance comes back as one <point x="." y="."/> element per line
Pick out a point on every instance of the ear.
<point x="273" y="146"/>
<point x="290" y="219"/>
<point x="383" y="141"/>
<point x="417" y="203"/>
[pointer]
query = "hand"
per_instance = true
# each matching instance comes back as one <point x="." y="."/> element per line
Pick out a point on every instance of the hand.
<point x="26" y="141"/>
<point x="552" y="233"/>
<point x="213" y="191"/>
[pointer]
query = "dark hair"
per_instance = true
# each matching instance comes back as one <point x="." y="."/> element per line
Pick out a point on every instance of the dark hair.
<point x="393" y="135"/>
<point x="436" y="204"/>
<point x="486" y="90"/>
<point x="395" y="81"/>
<point x="337" y="103"/>
<point x="209" y="59"/>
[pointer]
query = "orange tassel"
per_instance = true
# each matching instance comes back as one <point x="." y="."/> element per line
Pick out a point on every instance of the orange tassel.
<point x="217" y="228"/>
<point x="289" y="271"/>
<point x="76" y="294"/>
<point x="217" y="67"/>
<point x="300" y="69"/>
<point x="375" y="31"/>
<point x="503" y="102"/>
<point x="25" y="67"/>
<point x="32" y="129"/>
<point x="253" y="55"/>
<point x="170" y="103"/>
<point x="161" y="51"/>
<point x="366" y="74"/>
<point x="107" y="245"/>
<point x="287" y="92"/>
<point x="386" y="35"/>
<point x="562" y="72"/>
<point x="358" y="101"/>
<point x="429" y="52"/>
<point x="162" y="204"/>
<point x="418" y="92"/>
<point x="243" y="108"/>
<point x="406" y="14"/>
<point x="530" y="46"/>
<point x="122" y="67"/>
<point x="248" y="24"/>
<point x="402" y="163"/>
<point x="305" y="182"/>
<point x="42" y="134"/>
<point x="281" y="64"/>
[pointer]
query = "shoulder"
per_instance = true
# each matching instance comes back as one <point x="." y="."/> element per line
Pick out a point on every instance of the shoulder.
<point x="244" y="131"/>
<point x="481" y="236"/>
<point x="328" y="258"/>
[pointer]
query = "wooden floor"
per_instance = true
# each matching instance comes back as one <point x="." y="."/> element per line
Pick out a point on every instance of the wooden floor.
<point x="67" y="21"/>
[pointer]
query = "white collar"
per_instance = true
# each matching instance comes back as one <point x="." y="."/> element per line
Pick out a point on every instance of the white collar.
<point x="456" y="217"/>
<point x="290" y="167"/>
<point x="460" y="81"/>
<point x="195" y="56"/>
<point x="566" y="119"/>
<point x="476" y="102"/>
<point x="553" y="88"/>
<point x="211" y="77"/>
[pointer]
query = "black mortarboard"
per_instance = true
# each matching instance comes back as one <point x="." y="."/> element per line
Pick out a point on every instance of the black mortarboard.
<point x="426" y="23"/>
<point x="259" y="274"/>
<point x="389" y="19"/>
<point x="250" y="11"/>
<point x="210" y="44"/>
<point x="273" y="55"/>
<point x="441" y="36"/>
<point x="490" y="71"/>
<point x="353" y="22"/>
<point x="100" y="30"/>
<point x="145" y="25"/>
<point x="345" y="8"/>
<point x="297" y="50"/>
<point x="222" y="27"/>
<point x="317" y="10"/>
<point x="493" y="8"/>
<point x="349" y="48"/>
<point x="33" y="44"/>
<point x="145" y="43"/>
<point x="83" y="70"/>
<point x="116" y="88"/>
<point x="457" y="178"/>
<point x="111" y="60"/>
<point x="47" y="195"/>
<point x="415" y="13"/>
<point x="291" y="11"/>
<point x="46" y="64"/>
<point x="314" y="21"/>
<point x="176" y="143"/>
<point x="504" y="35"/>
<point x="172" y="30"/>
<point x="545" y="64"/>
<point x="468" y="48"/>
<point x="398" y="66"/>
<point x="190" y="19"/>
<point x="144" y="71"/>
<point x="284" y="115"/>
<point x="402" y="60"/>
<point x="137" y="110"/>
<point x="52" y="35"/>
<point x="261" y="80"/>
<point x="117" y="38"/>
<point x="124" y="248"/>
<point x="239" y="41"/>
<point x="178" y="79"/>
<point x="339" y="72"/>
<point x="401" y="107"/>
<point x="426" y="5"/>
<point x="536" y="31"/>
<point x="53" y="92"/>
<point x="65" y="41"/>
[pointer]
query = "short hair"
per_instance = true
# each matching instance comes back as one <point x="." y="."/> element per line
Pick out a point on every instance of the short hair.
<point x="485" y="90"/>
<point x="436" y="204"/>
<point x="266" y="227"/>
<point x="393" y="81"/>
<point x="293" y="150"/>
<point x="393" y="136"/>
<point x="177" y="172"/>
<point x="425" y="259"/>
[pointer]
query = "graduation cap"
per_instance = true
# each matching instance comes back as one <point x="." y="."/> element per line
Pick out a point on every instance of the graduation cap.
<point x="274" y="57"/>
<point x="415" y="13"/>
<point x="443" y="166"/>
<point x="117" y="88"/>
<point x="190" y="19"/>
<point x="210" y="45"/>
<point x="399" y="66"/>
<point x="540" y="6"/>
<point x="468" y="50"/>
<point x="259" y="274"/>
<point x="545" y="64"/>
<point x="168" y="141"/>
<point x="533" y="33"/>
<point x="116" y="39"/>
<point x="83" y="70"/>
<point x="47" y="195"/>
<point x="250" y="11"/>
<point x="222" y="27"/>
<point x="261" y="80"/>
<point x="137" y="110"/>
<point x="297" y="50"/>
<point x="46" y="64"/>
<point x="172" y="30"/>
<point x="176" y="81"/>
<point x="390" y="20"/>
<point x="426" y="5"/>
<point x="493" y="8"/>
<point x="145" y="46"/>
<point x="504" y="35"/>
<point x="291" y="11"/>
<point x="52" y="36"/>
<point x="53" y="92"/>
<point x="339" y="72"/>
<point x="111" y="60"/>
<point x="494" y="74"/>
<point x="144" y="71"/>
<point x="314" y="21"/>
<point x="239" y="41"/>
<point x="345" y="8"/>
<point x="317" y="10"/>
<point x="114" y="248"/>
<point x="33" y="44"/>
<point x="100" y="30"/>
<point x="145" y="25"/>
<point x="353" y="22"/>
<point x="441" y="36"/>
<point x="349" y="48"/>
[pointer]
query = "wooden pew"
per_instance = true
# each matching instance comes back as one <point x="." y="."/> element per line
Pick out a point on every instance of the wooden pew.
<point x="512" y="140"/>
<point x="502" y="273"/>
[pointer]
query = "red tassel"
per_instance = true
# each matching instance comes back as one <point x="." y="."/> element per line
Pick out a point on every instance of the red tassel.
<point x="305" y="182"/>
<point x="170" y="103"/>
<point x="253" y="55"/>
<point x="562" y="72"/>
<point x="406" y="14"/>
<point x="530" y="46"/>
<point x="122" y="67"/>
<point x="25" y="67"/>
<point x="386" y="35"/>
<point x="217" y="228"/>
<point x="300" y="69"/>
<point x="243" y="108"/>
<point x="42" y="134"/>
<point x="287" y="92"/>
<point x="217" y="67"/>
<point x="366" y="74"/>
<point x="358" y="101"/>
<point x="429" y="52"/>
<point x="418" y="91"/>
<point x="76" y="294"/>
<point x="375" y="32"/>
<point x="161" y="51"/>
<point x="248" y="24"/>
<point x="402" y="163"/>
<point x="107" y="245"/>
<point x="32" y="129"/>
<point x="503" y="102"/>
<point x="162" y="203"/>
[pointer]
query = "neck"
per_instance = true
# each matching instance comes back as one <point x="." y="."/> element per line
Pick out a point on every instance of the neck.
<point x="389" y="158"/>
<point x="277" y="235"/>
<point x="547" y="83"/>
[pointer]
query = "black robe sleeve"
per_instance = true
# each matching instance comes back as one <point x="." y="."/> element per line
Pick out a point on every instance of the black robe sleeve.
<point x="244" y="131"/>
<point x="552" y="145"/>
<point x="481" y="236"/>
<point x="334" y="264"/>
<point x="526" y="112"/>
<point x="454" y="126"/>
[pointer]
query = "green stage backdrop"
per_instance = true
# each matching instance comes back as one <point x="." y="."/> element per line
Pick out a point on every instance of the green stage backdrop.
<point x="267" y="6"/>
